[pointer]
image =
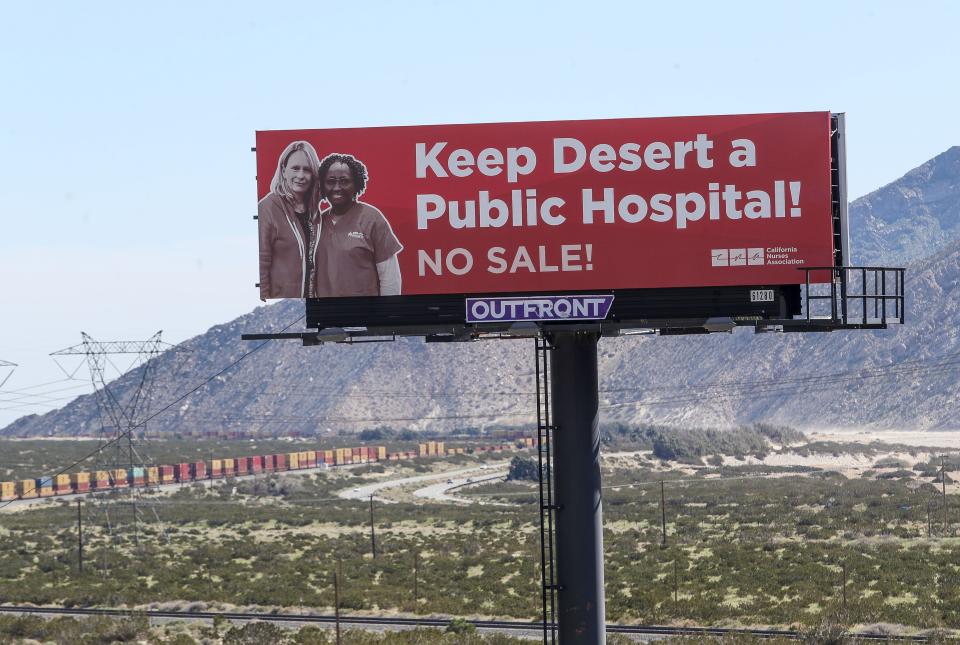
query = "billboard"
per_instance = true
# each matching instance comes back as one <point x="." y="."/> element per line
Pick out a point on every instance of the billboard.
<point x="545" y="207"/>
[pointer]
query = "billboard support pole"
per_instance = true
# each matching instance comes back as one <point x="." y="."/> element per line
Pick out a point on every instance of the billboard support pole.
<point x="576" y="458"/>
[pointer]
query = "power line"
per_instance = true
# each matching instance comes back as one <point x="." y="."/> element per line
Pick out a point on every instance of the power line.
<point x="176" y="401"/>
<point x="27" y="395"/>
<point x="899" y="368"/>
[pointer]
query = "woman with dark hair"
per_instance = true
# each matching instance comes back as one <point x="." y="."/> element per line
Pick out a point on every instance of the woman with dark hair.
<point x="289" y="224"/>
<point x="357" y="254"/>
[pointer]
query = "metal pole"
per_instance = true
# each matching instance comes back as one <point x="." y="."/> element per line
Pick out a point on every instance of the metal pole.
<point x="675" y="583"/>
<point x="373" y="536"/>
<point x="663" y="516"/>
<point x="336" y="599"/>
<point x="943" y="483"/>
<point x="79" y="538"/>
<point x="416" y="575"/>
<point x="844" y="586"/>
<point x="579" y="541"/>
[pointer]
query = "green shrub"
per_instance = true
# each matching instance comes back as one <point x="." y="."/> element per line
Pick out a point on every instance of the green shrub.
<point x="255" y="633"/>
<point x="461" y="626"/>
<point x="523" y="469"/>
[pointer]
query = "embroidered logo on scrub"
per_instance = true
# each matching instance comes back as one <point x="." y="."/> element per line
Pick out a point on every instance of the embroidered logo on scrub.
<point x="356" y="234"/>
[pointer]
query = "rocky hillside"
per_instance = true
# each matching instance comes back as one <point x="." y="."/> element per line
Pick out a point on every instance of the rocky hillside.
<point x="911" y="217"/>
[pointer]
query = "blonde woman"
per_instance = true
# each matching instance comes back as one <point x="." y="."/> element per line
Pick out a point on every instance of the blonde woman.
<point x="289" y="222"/>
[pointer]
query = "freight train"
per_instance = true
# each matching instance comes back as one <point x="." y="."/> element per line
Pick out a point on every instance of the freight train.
<point x="146" y="476"/>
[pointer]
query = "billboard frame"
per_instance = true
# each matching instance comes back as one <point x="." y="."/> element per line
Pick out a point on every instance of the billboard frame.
<point x="678" y="310"/>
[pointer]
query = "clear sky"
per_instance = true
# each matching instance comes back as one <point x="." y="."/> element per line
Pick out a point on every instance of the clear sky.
<point x="125" y="128"/>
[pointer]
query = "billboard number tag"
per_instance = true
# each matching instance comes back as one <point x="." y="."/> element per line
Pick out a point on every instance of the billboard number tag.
<point x="761" y="295"/>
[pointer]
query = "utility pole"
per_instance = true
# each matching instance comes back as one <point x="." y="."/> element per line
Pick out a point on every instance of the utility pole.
<point x="929" y="521"/>
<point x="844" y="564"/>
<point x="416" y="576"/>
<point x="675" y="582"/>
<point x="943" y="484"/>
<point x="663" y="516"/>
<point x="373" y="536"/>
<point x="79" y="538"/>
<point x="336" y="600"/>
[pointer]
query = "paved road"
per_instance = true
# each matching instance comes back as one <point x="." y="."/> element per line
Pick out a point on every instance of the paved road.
<point x="439" y="492"/>
<point x="461" y="474"/>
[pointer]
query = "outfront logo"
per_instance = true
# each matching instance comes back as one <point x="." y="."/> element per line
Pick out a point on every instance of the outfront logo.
<point x="538" y="308"/>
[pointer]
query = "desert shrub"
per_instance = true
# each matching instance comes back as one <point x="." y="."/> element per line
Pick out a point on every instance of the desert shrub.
<point x="255" y="633"/>
<point x="366" y="470"/>
<point x="896" y="474"/>
<point x="311" y="635"/>
<point x="890" y="462"/>
<point x="375" y="434"/>
<point x="691" y="445"/>
<point x="461" y="626"/>
<point x="180" y="639"/>
<point x="779" y="434"/>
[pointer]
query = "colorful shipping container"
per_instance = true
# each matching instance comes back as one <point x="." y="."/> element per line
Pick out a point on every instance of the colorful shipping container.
<point x="101" y="480"/>
<point x="80" y="482"/>
<point x="27" y="489"/>
<point x="185" y="472"/>
<point x="61" y="485"/>
<point x="198" y="470"/>
<point x="166" y="474"/>
<point x="118" y="476"/>
<point x="44" y="486"/>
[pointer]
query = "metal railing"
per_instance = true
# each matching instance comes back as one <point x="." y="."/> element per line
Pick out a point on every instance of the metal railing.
<point x="854" y="297"/>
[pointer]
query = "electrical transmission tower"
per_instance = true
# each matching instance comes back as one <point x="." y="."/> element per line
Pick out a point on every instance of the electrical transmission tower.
<point x="123" y="406"/>
<point x="6" y="371"/>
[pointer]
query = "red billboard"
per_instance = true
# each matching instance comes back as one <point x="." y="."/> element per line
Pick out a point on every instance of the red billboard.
<point x="544" y="206"/>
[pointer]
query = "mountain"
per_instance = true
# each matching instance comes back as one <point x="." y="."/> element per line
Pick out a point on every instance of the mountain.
<point x="911" y="217"/>
<point x="902" y="377"/>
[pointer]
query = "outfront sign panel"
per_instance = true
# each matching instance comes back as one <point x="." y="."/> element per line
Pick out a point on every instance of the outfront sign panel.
<point x="544" y="206"/>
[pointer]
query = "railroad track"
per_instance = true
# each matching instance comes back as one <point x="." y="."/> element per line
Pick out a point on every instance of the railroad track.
<point x="501" y="625"/>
